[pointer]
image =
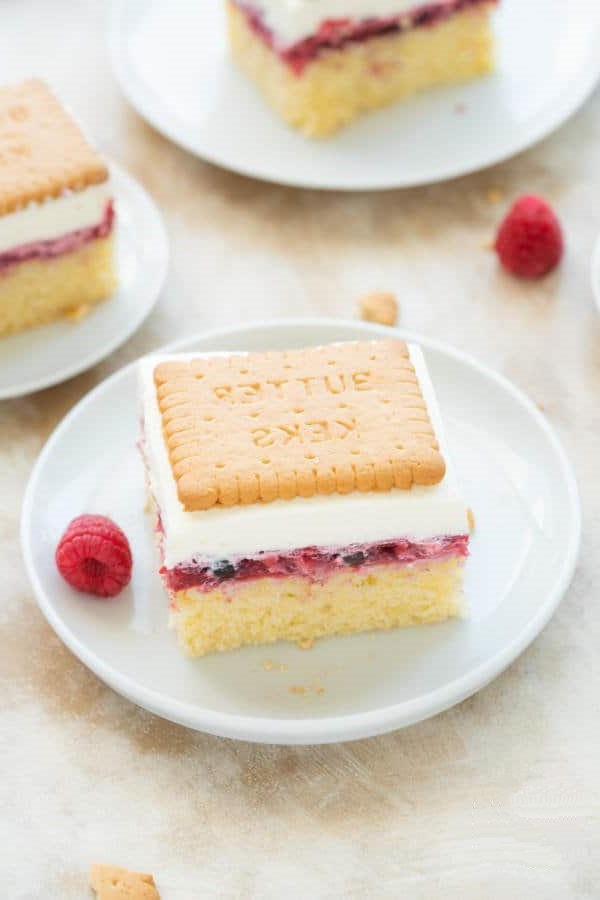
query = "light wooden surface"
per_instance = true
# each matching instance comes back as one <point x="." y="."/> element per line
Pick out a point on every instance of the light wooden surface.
<point x="498" y="798"/>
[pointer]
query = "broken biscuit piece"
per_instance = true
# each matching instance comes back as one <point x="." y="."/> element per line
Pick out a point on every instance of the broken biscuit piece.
<point x="113" y="883"/>
<point x="380" y="307"/>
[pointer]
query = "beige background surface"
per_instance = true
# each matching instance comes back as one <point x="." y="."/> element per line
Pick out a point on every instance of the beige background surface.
<point x="498" y="798"/>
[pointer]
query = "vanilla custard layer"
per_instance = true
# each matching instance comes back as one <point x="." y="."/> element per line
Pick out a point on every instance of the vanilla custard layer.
<point x="55" y="217"/>
<point x="291" y="21"/>
<point x="335" y="520"/>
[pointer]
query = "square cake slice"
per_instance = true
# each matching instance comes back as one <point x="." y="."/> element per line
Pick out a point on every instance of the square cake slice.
<point x="301" y="493"/>
<point x="56" y="212"/>
<point x="320" y="65"/>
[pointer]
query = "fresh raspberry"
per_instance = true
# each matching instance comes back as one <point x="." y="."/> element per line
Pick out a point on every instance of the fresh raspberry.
<point x="94" y="556"/>
<point x="529" y="242"/>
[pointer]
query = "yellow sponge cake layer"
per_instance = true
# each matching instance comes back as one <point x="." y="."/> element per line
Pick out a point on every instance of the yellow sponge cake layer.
<point x="38" y="291"/>
<point x="296" y="609"/>
<point x="340" y="84"/>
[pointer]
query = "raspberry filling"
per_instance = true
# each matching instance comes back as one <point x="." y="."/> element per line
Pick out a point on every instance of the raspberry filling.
<point x="316" y="563"/>
<point x="336" y="33"/>
<point x="67" y="243"/>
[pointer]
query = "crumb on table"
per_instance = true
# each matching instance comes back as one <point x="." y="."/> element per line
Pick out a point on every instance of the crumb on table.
<point x="114" y="883"/>
<point x="380" y="307"/>
<point x="495" y="196"/>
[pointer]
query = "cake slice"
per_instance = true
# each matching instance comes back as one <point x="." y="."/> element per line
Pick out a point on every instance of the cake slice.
<point x="320" y="65"/>
<point x="301" y="493"/>
<point x="56" y="212"/>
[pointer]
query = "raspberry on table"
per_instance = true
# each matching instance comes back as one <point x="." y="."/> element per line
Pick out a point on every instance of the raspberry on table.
<point x="94" y="556"/>
<point x="529" y="242"/>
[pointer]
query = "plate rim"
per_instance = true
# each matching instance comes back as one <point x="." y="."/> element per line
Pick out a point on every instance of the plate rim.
<point x="161" y="261"/>
<point x="329" y="729"/>
<point x="571" y="100"/>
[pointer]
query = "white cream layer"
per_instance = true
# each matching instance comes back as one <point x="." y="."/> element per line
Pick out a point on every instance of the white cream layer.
<point x="335" y="520"/>
<point x="293" y="20"/>
<point x="55" y="217"/>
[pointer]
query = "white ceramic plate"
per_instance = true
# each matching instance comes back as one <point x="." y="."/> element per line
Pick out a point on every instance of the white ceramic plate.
<point x="524" y="550"/>
<point x="44" y="356"/>
<point x="172" y="63"/>
<point x="596" y="272"/>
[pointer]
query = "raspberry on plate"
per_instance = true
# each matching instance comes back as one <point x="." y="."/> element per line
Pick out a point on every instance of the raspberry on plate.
<point x="529" y="242"/>
<point x="94" y="556"/>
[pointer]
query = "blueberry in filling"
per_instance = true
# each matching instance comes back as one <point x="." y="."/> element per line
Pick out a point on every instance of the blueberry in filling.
<point x="223" y="569"/>
<point x="355" y="559"/>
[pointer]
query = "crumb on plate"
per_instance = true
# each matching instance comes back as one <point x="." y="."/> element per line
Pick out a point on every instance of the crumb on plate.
<point x="306" y="645"/>
<point x="79" y="312"/>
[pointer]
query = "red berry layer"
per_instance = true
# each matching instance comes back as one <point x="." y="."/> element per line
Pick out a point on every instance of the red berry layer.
<point x="59" y="246"/>
<point x="316" y="563"/>
<point x="336" y="33"/>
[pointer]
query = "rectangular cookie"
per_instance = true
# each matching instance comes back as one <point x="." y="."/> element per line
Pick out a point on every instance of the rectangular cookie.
<point x="301" y="493"/>
<point x="56" y="212"/>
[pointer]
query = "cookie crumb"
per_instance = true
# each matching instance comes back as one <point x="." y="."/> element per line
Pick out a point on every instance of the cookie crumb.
<point x="114" y="883"/>
<point x="495" y="196"/>
<point x="471" y="519"/>
<point x="380" y="307"/>
<point x="305" y="645"/>
<point x="488" y="245"/>
<point x="268" y="664"/>
<point x="78" y="312"/>
<point x="282" y="667"/>
<point x="541" y="406"/>
<point x="306" y="691"/>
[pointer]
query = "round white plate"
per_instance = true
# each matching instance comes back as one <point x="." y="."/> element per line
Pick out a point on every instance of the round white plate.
<point x="171" y="59"/>
<point x="524" y="549"/>
<point x="44" y="356"/>
<point x="596" y="272"/>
